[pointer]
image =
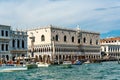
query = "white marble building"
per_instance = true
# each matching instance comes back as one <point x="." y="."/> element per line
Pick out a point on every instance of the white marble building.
<point x="13" y="44"/>
<point x="60" y="43"/>
<point x="111" y="46"/>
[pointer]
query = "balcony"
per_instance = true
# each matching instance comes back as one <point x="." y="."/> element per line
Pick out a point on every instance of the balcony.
<point x="19" y="49"/>
<point x="4" y="38"/>
<point x="4" y="52"/>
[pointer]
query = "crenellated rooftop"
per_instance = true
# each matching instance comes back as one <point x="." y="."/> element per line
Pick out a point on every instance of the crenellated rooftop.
<point x="63" y="28"/>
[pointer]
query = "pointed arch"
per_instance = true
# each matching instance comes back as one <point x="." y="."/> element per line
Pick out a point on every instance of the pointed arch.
<point x="65" y="38"/>
<point x="91" y="41"/>
<point x="42" y="38"/>
<point x="56" y="38"/>
<point x="84" y="40"/>
<point x="97" y="42"/>
<point x="72" y="38"/>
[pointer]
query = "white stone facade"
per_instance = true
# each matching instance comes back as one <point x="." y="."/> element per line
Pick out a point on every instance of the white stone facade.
<point x="63" y="43"/>
<point x="111" y="46"/>
<point x="13" y="44"/>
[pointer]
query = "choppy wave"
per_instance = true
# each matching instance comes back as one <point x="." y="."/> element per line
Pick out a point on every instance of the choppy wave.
<point x="103" y="71"/>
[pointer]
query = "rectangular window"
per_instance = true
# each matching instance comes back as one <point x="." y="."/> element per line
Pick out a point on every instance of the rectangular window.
<point x="105" y="49"/>
<point x="6" y="33"/>
<point x="2" y="47"/>
<point x="6" y="47"/>
<point x="18" y="43"/>
<point x="2" y="33"/>
<point x="78" y="40"/>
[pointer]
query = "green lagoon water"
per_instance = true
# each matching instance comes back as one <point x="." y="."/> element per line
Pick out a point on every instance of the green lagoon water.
<point x="102" y="71"/>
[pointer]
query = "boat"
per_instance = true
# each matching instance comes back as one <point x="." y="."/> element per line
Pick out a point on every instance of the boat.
<point x="77" y="62"/>
<point x="31" y="65"/>
<point x="87" y="62"/>
<point x="12" y="67"/>
<point x="67" y="64"/>
<point x="92" y="61"/>
<point x="41" y="64"/>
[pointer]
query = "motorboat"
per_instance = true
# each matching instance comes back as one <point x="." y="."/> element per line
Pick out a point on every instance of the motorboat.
<point x="12" y="67"/>
<point x="67" y="64"/>
<point x="41" y="64"/>
<point x="31" y="65"/>
<point x="87" y="62"/>
<point x="77" y="62"/>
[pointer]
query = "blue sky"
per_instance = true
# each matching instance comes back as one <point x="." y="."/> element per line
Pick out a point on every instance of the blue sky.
<point x="94" y="15"/>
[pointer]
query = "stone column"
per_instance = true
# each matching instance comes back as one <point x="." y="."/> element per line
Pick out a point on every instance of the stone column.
<point x="15" y="43"/>
<point x="4" y="47"/>
<point x="20" y="43"/>
<point x="0" y="46"/>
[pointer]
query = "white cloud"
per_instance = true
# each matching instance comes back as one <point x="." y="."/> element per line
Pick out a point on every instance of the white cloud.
<point x="102" y="15"/>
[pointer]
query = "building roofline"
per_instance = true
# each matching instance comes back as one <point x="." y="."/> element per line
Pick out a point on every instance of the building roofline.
<point x="39" y="27"/>
<point x="108" y="39"/>
<point x="5" y="25"/>
<point x="63" y="28"/>
<point x="92" y="32"/>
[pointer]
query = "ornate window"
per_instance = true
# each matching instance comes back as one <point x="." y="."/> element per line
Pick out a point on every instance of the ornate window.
<point x="65" y="38"/>
<point x="72" y="39"/>
<point x="42" y="38"/>
<point x="56" y="37"/>
<point x="97" y="42"/>
<point x="84" y="40"/>
<point x="91" y="41"/>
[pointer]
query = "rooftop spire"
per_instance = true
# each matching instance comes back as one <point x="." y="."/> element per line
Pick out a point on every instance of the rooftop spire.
<point x="78" y="28"/>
